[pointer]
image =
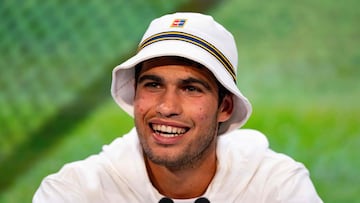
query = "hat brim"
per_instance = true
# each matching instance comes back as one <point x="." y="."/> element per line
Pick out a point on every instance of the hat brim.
<point x="123" y="81"/>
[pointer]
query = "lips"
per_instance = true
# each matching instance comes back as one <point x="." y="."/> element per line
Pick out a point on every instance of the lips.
<point x="168" y="131"/>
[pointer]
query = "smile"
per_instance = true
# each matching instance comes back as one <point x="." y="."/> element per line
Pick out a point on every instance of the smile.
<point x="168" y="131"/>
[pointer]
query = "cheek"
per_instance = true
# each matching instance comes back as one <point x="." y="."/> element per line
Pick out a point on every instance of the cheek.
<point x="138" y="109"/>
<point x="204" y="112"/>
<point x="139" y="104"/>
<point x="142" y="104"/>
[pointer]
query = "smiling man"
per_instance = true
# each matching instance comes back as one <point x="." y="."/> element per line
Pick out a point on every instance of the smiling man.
<point x="177" y="117"/>
<point x="186" y="146"/>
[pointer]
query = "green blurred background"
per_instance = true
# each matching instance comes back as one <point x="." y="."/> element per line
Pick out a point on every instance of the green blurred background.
<point x="298" y="64"/>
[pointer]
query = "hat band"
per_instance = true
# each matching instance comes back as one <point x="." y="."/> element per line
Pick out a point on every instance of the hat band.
<point x="172" y="35"/>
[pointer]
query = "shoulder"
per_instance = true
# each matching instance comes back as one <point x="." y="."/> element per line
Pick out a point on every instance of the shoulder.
<point x="276" y="175"/>
<point x="100" y="172"/>
<point x="253" y="142"/>
<point x="255" y="146"/>
<point x="286" y="179"/>
<point x="117" y="150"/>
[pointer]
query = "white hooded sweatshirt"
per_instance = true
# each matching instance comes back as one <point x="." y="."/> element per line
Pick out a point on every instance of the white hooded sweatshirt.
<point x="248" y="172"/>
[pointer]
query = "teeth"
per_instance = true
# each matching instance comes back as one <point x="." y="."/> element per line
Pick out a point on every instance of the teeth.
<point x="168" y="131"/>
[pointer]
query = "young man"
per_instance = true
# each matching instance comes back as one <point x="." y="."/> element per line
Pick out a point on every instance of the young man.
<point x="186" y="146"/>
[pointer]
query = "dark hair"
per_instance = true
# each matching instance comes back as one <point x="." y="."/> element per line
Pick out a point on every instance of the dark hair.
<point x="222" y="91"/>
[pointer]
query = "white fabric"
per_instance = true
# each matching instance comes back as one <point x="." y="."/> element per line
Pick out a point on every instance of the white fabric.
<point x="248" y="171"/>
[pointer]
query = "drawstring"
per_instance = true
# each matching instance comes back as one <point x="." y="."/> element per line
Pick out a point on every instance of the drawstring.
<point x="199" y="200"/>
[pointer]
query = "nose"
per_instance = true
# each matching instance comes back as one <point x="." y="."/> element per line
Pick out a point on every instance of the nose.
<point x="169" y="104"/>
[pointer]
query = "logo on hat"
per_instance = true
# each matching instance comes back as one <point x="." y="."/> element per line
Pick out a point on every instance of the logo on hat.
<point x="178" y="23"/>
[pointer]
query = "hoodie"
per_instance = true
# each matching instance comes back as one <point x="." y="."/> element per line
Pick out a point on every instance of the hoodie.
<point x="248" y="171"/>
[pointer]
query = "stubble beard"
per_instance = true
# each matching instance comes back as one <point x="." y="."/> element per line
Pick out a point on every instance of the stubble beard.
<point x="192" y="155"/>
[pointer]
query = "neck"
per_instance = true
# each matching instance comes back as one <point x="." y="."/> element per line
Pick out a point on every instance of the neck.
<point x="183" y="183"/>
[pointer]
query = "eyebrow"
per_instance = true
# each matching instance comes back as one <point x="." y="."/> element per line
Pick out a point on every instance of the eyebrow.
<point x="187" y="81"/>
<point x="149" y="77"/>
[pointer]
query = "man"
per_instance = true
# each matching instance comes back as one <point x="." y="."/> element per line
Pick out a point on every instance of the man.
<point x="186" y="146"/>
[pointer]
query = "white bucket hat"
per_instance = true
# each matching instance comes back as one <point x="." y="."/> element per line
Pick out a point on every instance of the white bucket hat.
<point x="193" y="36"/>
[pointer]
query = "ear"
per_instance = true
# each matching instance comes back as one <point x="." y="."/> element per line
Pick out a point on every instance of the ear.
<point x="226" y="108"/>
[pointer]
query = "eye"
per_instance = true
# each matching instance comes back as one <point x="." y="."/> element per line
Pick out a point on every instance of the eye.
<point x="152" y="85"/>
<point x="192" y="89"/>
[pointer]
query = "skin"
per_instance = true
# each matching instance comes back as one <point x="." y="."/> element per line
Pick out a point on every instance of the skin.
<point x="175" y="95"/>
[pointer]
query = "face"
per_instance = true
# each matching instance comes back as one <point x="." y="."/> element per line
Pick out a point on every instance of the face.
<point x="176" y="112"/>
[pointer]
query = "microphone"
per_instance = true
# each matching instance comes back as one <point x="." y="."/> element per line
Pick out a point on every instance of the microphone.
<point x="202" y="200"/>
<point x="166" y="200"/>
